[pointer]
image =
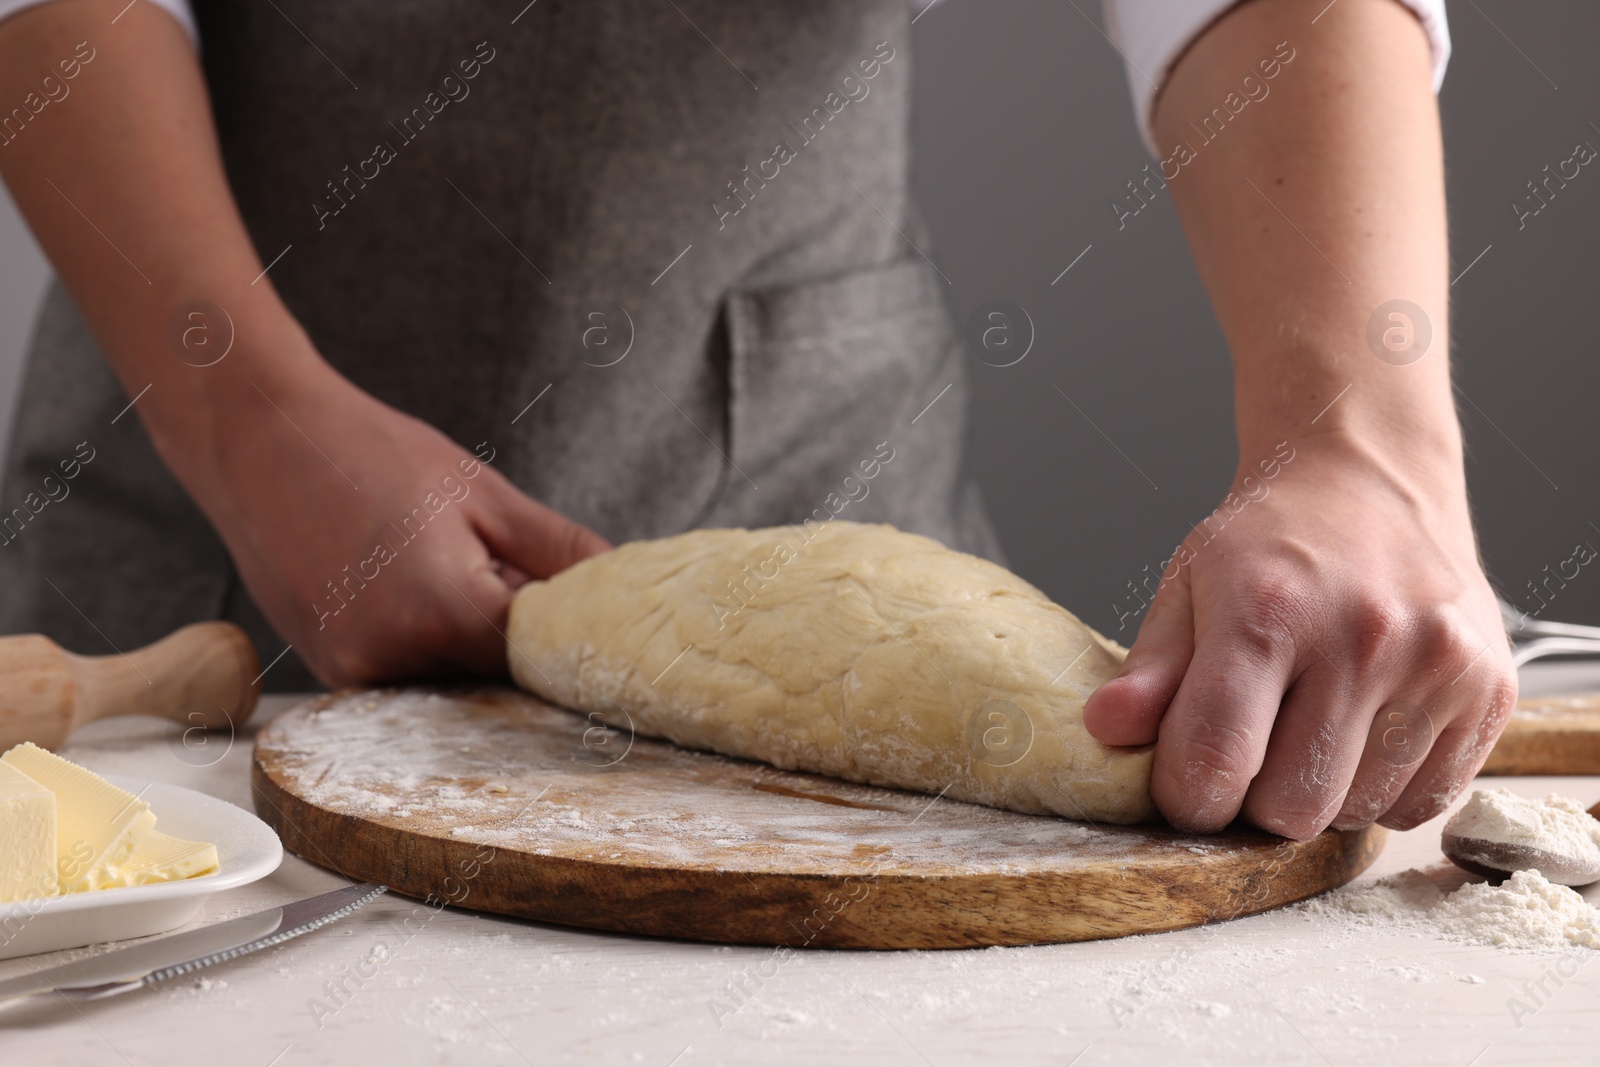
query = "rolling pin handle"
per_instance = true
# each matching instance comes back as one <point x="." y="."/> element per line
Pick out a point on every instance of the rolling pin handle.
<point x="206" y="674"/>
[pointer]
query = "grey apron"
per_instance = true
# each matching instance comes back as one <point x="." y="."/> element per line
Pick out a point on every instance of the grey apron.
<point x="707" y="291"/>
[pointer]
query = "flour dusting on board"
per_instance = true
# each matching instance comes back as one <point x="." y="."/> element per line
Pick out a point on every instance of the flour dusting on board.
<point x="497" y="768"/>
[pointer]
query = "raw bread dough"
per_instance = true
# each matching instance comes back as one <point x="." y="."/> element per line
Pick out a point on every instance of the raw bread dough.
<point x="844" y="649"/>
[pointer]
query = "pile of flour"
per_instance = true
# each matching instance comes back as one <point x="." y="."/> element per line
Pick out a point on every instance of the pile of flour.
<point x="1557" y="825"/>
<point x="1527" y="911"/>
<point x="1524" y="912"/>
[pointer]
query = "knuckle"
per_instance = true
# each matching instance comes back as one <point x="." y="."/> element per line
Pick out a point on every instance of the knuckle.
<point x="1372" y="793"/>
<point x="1429" y="794"/>
<point x="1183" y="814"/>
<point x="1492" y="706"/>
<point x="1412" y="814"/>
<point x="1298" y="815"/>
<point x="1215" y="750"/>
<point x="1268" y="619"/>
<point x="1375" y="627"/>
<point x="1358" y="813"/>
<point x="1500" y="692"/>
<point x="1447" y="643"/>
<point x="1484" y="723"/>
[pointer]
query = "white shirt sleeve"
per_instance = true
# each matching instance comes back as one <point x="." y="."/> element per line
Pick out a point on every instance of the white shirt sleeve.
<point x="1152" y="34"/>
<point x="178" y="9"/>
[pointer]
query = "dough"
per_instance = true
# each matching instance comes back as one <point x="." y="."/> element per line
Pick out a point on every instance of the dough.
<point x="845" y="649"/>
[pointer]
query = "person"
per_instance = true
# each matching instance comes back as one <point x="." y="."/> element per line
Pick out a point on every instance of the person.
<point x="413" y="305"/>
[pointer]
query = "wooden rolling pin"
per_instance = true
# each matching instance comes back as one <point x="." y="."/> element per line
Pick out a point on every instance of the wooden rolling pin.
<point x="202" y="675"/>
<point x="1550" y="735"/>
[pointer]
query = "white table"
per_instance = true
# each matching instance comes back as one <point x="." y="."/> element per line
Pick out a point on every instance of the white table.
<point x="483" y="990"/>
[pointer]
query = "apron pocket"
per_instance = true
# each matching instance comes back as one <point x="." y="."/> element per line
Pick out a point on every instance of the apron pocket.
<point x="822" y="371"/>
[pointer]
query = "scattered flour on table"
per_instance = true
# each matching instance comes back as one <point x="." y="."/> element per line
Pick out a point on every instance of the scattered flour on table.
<point x="1556" y="824"/>
<point x="1526" y="912"/>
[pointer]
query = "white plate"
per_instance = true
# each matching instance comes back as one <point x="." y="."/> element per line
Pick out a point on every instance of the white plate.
<point x="247" y="850"/>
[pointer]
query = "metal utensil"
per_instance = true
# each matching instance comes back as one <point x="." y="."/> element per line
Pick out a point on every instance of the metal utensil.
<point x="1533" y="639"/>
<point x="1542" y="647"/>
<point x="1496" y="859"/>
<point x="126" y="969"/>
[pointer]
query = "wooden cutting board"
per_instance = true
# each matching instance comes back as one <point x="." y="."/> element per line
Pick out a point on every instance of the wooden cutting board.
<point x="1550" y="735"/>
<point x="493" y="800"/>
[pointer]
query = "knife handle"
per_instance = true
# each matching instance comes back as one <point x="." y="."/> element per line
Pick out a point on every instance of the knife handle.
<point x="131" y="967"/>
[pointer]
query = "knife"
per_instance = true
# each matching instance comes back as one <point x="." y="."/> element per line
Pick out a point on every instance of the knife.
<point x="125" y="969"/>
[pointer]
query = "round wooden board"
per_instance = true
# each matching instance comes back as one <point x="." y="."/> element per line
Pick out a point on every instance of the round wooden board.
<point x="493" y="800"/>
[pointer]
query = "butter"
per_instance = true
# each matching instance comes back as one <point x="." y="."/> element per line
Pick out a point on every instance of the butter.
<point x="162" y="858"/>
<point x="27" y="837"/>
<point x="65" y="828"/>
<point x="98" y="826"/>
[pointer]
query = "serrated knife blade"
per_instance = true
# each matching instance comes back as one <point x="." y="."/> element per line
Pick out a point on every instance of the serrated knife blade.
<point x="125" y="969"/>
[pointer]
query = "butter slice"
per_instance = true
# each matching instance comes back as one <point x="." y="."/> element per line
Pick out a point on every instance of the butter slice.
<point x="163" y="858"/>
<point x="27" y="837"/>
<point x="98" y="826"/>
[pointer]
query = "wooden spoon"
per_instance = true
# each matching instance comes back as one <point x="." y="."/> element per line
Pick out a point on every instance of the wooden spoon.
<point x="1496" y="860"/>
<point x="204" y="675"/>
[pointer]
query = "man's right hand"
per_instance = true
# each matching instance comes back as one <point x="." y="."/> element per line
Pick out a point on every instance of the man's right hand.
<point x="375" y="545"/>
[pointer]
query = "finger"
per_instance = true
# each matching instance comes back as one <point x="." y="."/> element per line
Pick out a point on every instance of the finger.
<point x="1127" y="710"/>
<point x="1402" y="735"/>
<point x="1214" y="736"/>
<point x="1447" y="770"/>
<point x="1313" y="753"/>
<point x="1463" y="744"/>
<point x="475" y="601"/>
<point x="535" y="539"/>
<point x="455" y="619"/>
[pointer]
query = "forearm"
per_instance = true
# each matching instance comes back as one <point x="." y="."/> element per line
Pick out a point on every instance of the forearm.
<point x="1313" y="205"/>
<point x="122" y="182"/>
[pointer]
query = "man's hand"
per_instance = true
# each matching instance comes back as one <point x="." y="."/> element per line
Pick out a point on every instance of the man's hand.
<point x="301" y="472"/>
<point x="1326" y="652"/>
<point x="1333" y="654"/>
<point x="376" y="546"/>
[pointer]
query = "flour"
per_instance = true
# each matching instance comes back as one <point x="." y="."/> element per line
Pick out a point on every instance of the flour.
<point x="1558" y="824"/>
<point x="1525" y="913"/>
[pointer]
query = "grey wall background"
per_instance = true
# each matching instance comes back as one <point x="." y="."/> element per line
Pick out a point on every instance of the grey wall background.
<point x="1024" y="133"/>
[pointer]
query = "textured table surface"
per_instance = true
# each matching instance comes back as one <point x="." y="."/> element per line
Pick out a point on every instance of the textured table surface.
<point x="453" y="987"/>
